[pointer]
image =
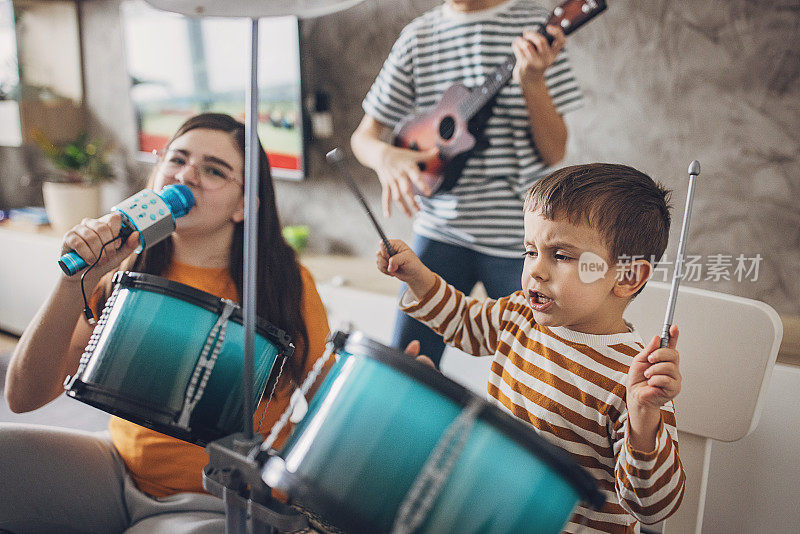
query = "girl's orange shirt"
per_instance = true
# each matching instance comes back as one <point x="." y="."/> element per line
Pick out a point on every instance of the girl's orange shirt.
<point x="161" y="465"/>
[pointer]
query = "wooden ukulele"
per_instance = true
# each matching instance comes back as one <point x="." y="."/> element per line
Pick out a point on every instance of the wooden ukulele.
<point x="457" y="120"/>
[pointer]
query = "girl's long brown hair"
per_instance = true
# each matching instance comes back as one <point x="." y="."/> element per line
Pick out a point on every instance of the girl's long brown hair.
<point x="279" y="284"/>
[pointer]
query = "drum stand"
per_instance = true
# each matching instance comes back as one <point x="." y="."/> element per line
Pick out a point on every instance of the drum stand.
<point x="234" y="469"/>
<point x="233" y="472"/>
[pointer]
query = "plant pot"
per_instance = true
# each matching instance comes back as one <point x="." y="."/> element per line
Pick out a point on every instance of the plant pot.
<point x="67" y="204"/>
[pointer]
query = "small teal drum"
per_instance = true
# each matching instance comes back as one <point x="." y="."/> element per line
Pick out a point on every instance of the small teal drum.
<point x="169" y="357"/>
<point x="390" y="445"/>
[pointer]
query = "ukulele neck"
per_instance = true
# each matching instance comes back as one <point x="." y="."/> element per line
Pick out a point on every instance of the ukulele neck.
<point x="569" y="15"/>
<point x="481" y="94"/>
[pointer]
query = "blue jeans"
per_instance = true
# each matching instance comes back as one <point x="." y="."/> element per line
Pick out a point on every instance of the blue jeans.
<point x="462" y="268"/>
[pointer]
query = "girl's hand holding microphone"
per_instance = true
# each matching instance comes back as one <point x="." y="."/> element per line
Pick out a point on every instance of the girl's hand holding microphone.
<point x="88" y="237"/>
<point x="406" y="267"/>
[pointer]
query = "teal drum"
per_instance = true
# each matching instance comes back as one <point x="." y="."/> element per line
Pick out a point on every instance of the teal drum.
<point x="390" y="445"/>
<point x="170" y="357"/>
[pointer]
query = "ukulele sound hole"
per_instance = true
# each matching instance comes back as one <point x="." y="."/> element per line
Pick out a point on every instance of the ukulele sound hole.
<point x="447" y="127"/>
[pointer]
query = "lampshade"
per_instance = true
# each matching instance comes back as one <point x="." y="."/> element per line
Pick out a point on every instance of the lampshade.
<point x="253" y="8"/>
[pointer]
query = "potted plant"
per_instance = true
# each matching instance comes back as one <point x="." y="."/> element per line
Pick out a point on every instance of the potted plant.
<point x="72" y="192"/>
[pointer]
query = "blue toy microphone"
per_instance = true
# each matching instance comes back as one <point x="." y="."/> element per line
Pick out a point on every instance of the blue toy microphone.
<point x="147" y="212"/>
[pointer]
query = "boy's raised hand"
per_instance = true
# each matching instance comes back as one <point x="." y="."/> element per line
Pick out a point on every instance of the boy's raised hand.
<point x="654" y="378"/>
<point x="406" y="267"/>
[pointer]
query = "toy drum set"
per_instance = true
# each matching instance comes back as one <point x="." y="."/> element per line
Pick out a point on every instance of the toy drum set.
<point x="387" y="444"/>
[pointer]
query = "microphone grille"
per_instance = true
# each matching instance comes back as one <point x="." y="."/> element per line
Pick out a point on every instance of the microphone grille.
<point x="179" y="198"/>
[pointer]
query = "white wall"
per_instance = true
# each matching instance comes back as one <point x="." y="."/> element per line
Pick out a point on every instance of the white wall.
<point x="754" y="483"/>
<point x="373" y="314"/>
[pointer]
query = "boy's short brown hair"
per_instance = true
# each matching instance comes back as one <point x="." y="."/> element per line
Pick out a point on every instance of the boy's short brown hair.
<point x="626" y="206"/>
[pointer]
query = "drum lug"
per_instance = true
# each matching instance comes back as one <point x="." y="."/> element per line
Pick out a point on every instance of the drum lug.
<point x="299" y="406"/>
<point x="339" y="339"/>
<point x="70" y="381"/>
<point x="272" y="472"/>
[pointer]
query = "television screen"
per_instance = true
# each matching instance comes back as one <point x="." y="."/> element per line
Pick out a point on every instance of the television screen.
<point x="180" y="66"/>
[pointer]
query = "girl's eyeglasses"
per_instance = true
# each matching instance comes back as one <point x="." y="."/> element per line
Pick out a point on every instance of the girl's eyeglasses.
<point x="212" y="175"/>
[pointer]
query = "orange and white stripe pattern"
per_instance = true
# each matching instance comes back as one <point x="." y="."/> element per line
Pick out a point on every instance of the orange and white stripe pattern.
<point x="570" y="387"/>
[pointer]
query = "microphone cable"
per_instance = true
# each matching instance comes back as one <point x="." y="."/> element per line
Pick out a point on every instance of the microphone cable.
<point x="87" y="311"/>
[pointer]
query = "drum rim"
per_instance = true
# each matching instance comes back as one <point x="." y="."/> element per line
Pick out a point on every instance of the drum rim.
<point x="205" y="300"/>
<point x="556" y="458"/>
<point x="101" y="399"/>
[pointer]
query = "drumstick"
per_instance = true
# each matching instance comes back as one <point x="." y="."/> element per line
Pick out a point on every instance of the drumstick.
<point x="336" y="157"/>
<point x="694" y="171"/>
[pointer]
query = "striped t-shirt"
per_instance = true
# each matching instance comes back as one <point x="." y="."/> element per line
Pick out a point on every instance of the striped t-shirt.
<point x="483" y="211"/>
<point x="570" y="387"/>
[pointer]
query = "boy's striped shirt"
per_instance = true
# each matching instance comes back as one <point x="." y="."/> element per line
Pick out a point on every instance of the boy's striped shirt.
<point x="570" y="387"/>
<point x="442" y="47"/>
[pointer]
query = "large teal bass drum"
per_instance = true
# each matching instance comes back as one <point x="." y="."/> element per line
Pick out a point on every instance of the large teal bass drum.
<point x="170" y="357"/>
<point x="391" y="445"/>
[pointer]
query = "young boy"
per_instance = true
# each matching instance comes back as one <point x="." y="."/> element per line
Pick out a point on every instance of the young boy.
<point x="565" y="360"/>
